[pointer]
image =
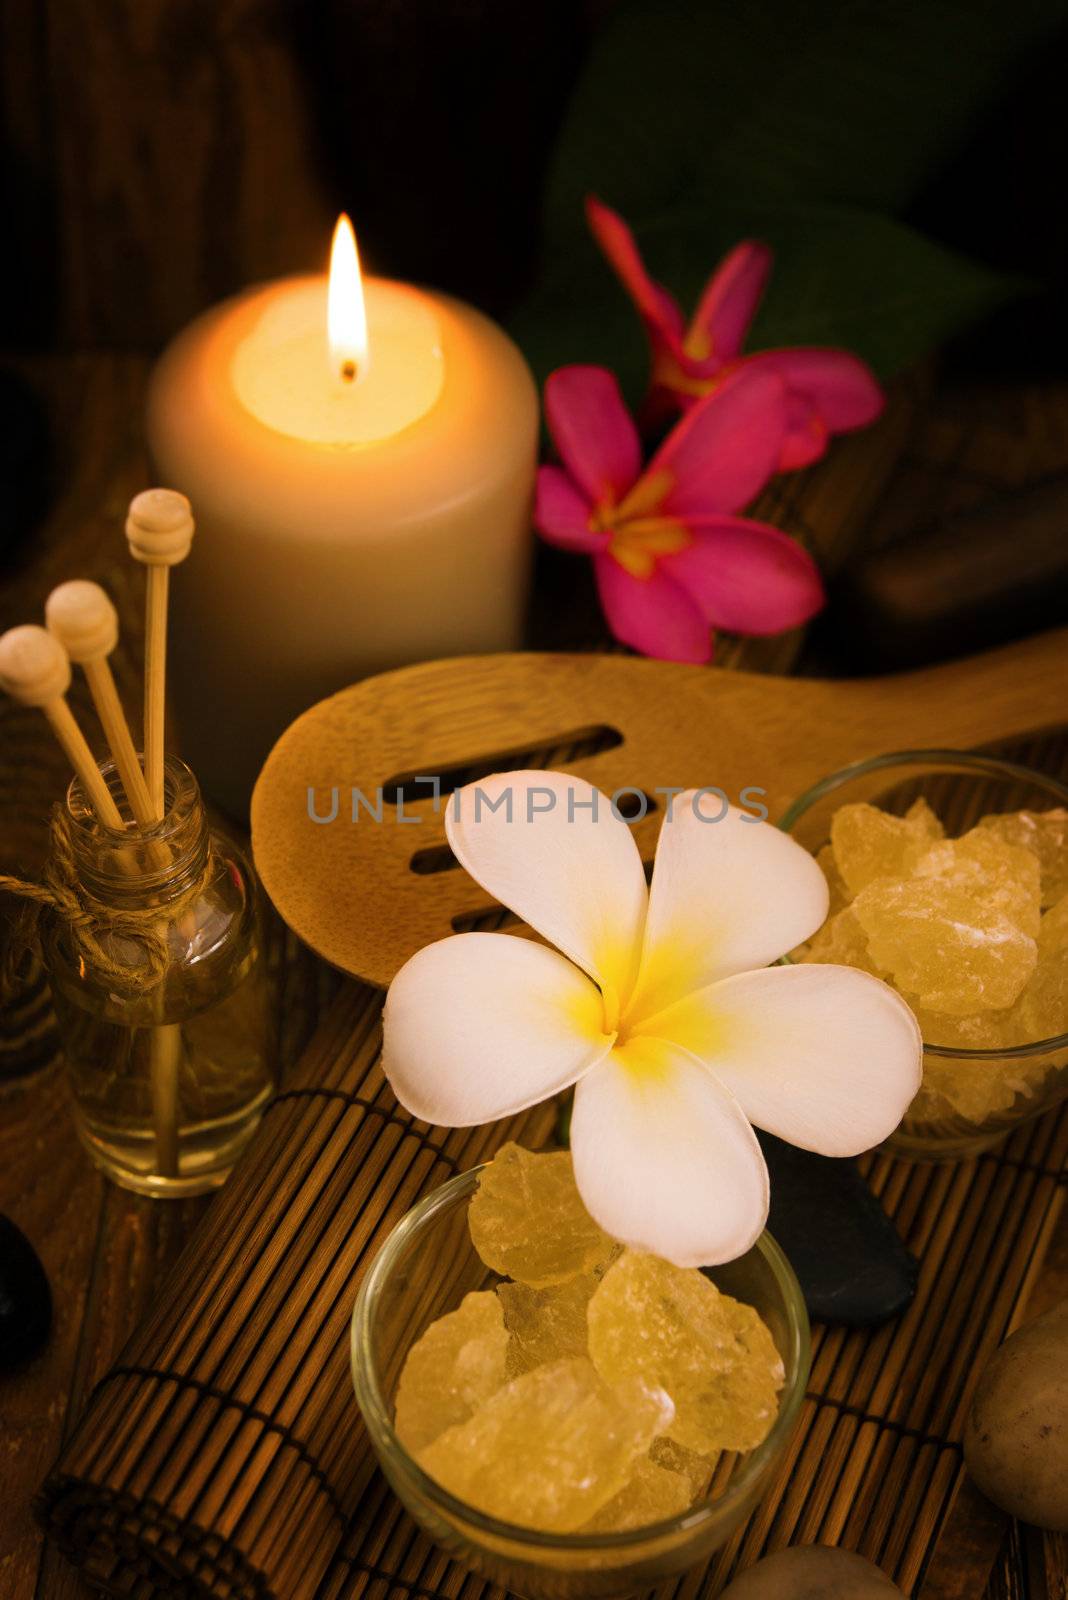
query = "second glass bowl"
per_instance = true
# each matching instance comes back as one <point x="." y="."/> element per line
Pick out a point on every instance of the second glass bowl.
<point x="993" y="1090"/>
<point x="425" y="1267"/>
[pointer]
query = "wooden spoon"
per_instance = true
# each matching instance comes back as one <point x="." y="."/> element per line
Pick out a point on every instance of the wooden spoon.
<point x="366" y="894"/>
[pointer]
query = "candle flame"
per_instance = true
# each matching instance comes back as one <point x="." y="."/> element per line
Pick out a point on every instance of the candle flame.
<point x="346" y="316"/>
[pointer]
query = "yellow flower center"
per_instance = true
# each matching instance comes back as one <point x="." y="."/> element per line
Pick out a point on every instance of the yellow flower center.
<point x="639" y="532"/>
<point x="698" y="343"/>
<point x="668" y="374"/>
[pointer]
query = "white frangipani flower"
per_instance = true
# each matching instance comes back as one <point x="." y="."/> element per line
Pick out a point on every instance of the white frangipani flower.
<point x="658" y="1005"/>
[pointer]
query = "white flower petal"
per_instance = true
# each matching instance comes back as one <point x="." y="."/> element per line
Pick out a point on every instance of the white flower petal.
<point x="555" y="854"/>
<point x="826" y="1057"/>
<point x="664" y="1158"/>
<point x="726" y="896"/>
<point x="482" y="1025"/>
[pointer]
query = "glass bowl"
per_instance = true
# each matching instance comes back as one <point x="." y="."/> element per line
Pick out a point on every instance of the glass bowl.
<point x="424" y="1268"/>
<point x="990" y="1091"/>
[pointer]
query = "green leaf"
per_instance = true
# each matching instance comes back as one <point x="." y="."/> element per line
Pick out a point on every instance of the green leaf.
<point x="849" y="101"/>
<point x="842" y="277"/>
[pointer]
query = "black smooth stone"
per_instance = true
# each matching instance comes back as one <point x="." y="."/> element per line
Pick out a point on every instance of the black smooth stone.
<point x="850" y="1263"/>
<point x="25" y="1298"/>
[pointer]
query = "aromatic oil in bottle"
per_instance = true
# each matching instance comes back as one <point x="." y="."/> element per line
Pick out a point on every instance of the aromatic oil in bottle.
<point x="169" y="1078"/>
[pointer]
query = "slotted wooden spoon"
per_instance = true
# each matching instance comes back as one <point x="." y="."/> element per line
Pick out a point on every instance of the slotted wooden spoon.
<point x="366" y="894"/>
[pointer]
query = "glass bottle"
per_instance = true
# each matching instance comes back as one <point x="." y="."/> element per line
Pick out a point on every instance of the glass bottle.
<point x="169" y="1078"/>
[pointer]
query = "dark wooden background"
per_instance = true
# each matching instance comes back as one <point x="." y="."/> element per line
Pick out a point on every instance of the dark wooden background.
<point x="159" y="154"/>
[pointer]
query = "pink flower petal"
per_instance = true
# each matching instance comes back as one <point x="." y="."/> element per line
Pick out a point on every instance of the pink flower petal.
<point x="593" y="431"/>
<point x="730" y="300"/>
<point x="842" y="390"/>
<point x="561" y="515"/>
<point x="807" y="434"/>
<point x="654" y="615"/>
<point x="747" y="577"/>
<point x="725" y="449"/>
<point x="658" y="309"/>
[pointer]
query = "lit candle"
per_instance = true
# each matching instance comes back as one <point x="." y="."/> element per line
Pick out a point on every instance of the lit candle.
<point x="360" y="460"/>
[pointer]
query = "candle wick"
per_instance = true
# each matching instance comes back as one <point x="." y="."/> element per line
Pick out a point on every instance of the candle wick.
<point x="348" y="371"/>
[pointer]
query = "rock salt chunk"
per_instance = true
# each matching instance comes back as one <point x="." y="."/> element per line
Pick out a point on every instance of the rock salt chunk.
<point x="1045" y="833"/>
<point x="652" y="1494"/>
<point x="696" y="1469"/>
<point x="869" y="843"/>
<point x="1053" y="929"/>
<point x="1005" y="876"/>
<point x="545" y="1324"/>
<point x="674" y="1330"/>
<point x="836" y="886"/>
<point x="951" y="947"/>
<point x="956" y="929"/>
<point x="984" y="1031"/>
<point x="528" y="1222"/>
<point x="552" y="1447"/>
<point x="843" y="941"/>
<point x="456" y="1365"/>
<point x="975" y="1090"/>
<point x="1042" y="1009"/>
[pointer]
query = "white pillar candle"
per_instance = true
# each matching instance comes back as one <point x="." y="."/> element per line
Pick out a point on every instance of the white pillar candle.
<point x="359" y="504"/>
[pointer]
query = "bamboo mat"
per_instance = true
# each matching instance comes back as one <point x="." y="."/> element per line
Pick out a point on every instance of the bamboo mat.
<point x="224" y="1455"/>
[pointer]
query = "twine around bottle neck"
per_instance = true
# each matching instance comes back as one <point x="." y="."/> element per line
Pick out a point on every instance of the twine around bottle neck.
<point x="94" y="926"/>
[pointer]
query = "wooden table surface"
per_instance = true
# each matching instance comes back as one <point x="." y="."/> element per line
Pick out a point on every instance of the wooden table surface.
<point x="107" y="1251"/>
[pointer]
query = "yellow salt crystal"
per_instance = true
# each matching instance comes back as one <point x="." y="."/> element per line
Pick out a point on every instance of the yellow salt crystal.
<point x="971" y="1090"/>
<point x="836" y="885"/>
<point x="696" y="1469"/>
<point x="528" y="1222"/>
<point x="651" y="1494"/>
<point x="1042" y="1009"/>
<point x="1005" y="876"/>
<point x="983" y="1031"/>
<point x="951" y="947"/>
<point x="870" y="844"/>
<point x="671" y="1328"/>
<point x="456" y="1365"/>
<point x="545" y="1324"/>
<point x="979" y="1089"/>
<point x="975" y="1090"/>
<point x="843" y="941"/>
<point x="924" y="820"/>
<point x="1045" y="833"/>
<point x="551" y="1448"/>
<point x="1053" y="929"/>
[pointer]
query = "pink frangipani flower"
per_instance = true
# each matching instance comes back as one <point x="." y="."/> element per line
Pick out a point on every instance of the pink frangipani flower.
<point x="828" y="390"/>
<point x="671" y="557"/>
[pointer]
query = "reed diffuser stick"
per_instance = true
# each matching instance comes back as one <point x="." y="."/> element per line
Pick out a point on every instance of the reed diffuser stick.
<point x="159" y="530"/>
<point x="86" y="623"/>
<point x="35" y="670"/>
